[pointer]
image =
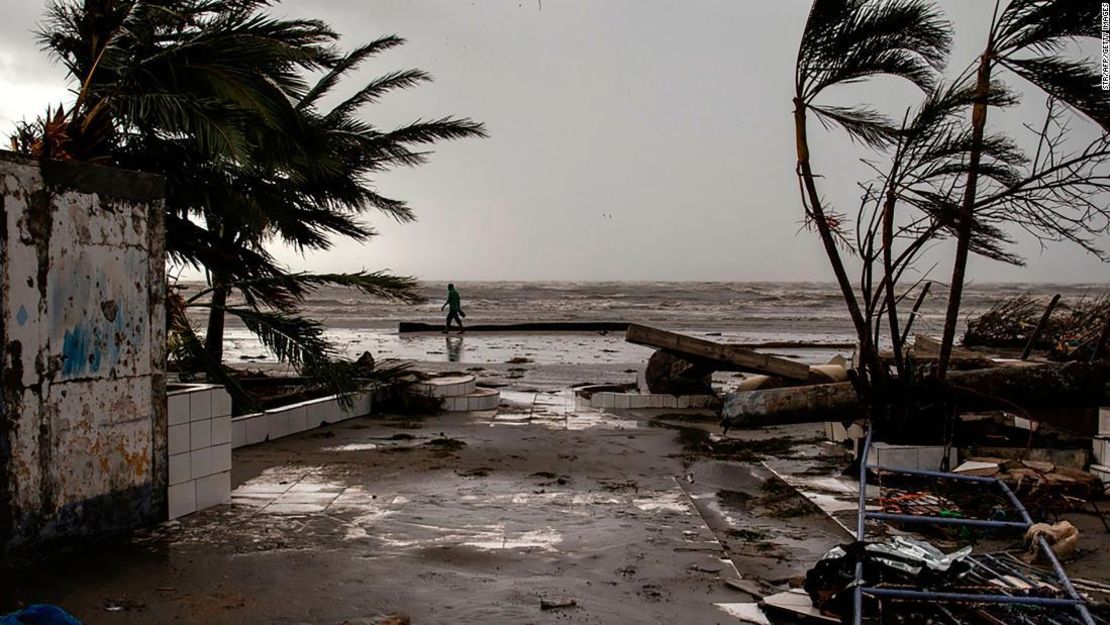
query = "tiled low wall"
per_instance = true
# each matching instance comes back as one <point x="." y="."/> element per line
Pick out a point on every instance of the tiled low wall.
<point x="637" y="401"/>
<point x="296" y="418"/>
<point x="199" y="448"/>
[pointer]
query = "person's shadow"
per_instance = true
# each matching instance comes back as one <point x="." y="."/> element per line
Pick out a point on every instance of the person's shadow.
<point x="454" y="348"/>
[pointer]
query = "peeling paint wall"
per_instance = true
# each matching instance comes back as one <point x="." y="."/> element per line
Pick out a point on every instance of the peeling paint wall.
<point x="83" y="422"/>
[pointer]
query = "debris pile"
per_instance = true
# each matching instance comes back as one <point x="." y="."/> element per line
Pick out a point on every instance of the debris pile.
<point x="1071" y="332"/>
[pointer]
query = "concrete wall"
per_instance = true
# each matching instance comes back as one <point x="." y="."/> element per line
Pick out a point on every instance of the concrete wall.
<point x="83" y="421"/>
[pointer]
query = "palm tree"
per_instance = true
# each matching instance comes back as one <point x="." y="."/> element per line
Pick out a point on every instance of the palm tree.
<point x="1027" y="38"/>
<point x="847" y="41"/>
<point x="212" y="94"/>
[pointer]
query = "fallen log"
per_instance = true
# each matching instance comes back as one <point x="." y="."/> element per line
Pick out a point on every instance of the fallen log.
<point x="719" y="356"/>
<point x="1038" y="391"/>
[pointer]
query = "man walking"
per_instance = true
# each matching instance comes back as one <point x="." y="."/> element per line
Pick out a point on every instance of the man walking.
<point x="454" y="306"/>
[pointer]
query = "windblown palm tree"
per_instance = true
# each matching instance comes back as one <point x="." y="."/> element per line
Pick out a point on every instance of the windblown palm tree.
<point x="213" y="95"/>
<point x="847" y="41"/>
<point x="1028" y="38"/>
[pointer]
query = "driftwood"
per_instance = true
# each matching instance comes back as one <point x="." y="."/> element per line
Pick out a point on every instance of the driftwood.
<point x="717" y="356"/>
<point x="1037" y="391"/>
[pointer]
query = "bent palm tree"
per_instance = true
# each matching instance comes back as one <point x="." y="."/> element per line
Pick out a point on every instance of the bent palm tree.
<point x="847" y="41"/>
<point x="1028" y="38"/>
<point x="212" y="94"/>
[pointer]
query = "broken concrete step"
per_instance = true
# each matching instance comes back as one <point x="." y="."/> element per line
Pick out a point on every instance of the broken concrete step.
<point x="447" y="386"/>
<point x="479" y="399"/>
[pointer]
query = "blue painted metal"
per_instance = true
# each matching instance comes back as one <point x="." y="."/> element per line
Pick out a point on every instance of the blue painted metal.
<point x="963" y="597"/>
<point x="1074" y="600"/>
<point x="940" y="520"/>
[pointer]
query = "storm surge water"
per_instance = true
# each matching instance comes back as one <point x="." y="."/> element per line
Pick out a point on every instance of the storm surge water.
<point x="752" y="312"/>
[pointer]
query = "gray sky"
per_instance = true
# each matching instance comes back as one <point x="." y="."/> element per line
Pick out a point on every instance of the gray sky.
<point x="672" y="117"/>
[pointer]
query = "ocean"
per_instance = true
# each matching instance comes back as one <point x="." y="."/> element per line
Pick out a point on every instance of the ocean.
<point x="749" y="312"/>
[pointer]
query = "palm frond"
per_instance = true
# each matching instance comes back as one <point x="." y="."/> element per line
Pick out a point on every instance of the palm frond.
<point x="1072" y="82"/>
<point x="346" y="64"/>
<point x="862" y="124"/>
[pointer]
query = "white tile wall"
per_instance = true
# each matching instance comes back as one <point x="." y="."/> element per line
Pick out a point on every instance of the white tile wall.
<point x="182" y="499"/>
<point x="201" y="462"/>
<point x="238" y="432"/>
<point x="178" y="438"/>
<point x="177" y="409"/>
<point x="221" y="458"/>
<point x="221" y="430"/>
<point x="1101" y="446"/>
<point x="199" y="448"/>
<point x="315" y="414"/>
<point x="213" y="490"/>
<point x="258" y="428"/>
<point x="180" y="470"/>
<point x="200" y="405"/>
<point x="200" y="434"/>
<point x="221" y="403"/>
<point x="1104" y="421"/>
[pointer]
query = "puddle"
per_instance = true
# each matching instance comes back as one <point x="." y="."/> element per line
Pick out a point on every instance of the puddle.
<point x="352" y="447"/>
<point x="486" y="538"/>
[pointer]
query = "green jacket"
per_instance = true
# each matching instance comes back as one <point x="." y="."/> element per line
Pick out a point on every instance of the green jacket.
<point x="453" y="300"/>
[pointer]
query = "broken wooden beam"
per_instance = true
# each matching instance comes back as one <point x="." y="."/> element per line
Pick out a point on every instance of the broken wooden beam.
<point x="1043" y="392"/>
<point x="723" y="356"/>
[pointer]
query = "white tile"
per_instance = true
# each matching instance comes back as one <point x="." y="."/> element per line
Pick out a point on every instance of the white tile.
<point x="279" y="423"/>
<point x="608" y="400"/>
<point x="221" y="403"/>
<point x="331" y="411"/>
<point x="180" y="470"/>
<point x="221" y="457"/>
<point x="221" y="430"/>
<point x="213" y="490"/>
<point x="314" y="414"/>
<point x="258" y="428"/>
<point x="200" y="434"/>
<point x="201" y="461"/>
<point x="623" y="401"/>
<point x="298" y="419"/>
<point x="238" y="433"/>
<point x="200" y="405"/>
<point x="1104" y="421"/>
<point x="178" y="438"/>
<point x="1102" y="450"/>
<point x="177" y="408"/>
<point x="182" y="499"/>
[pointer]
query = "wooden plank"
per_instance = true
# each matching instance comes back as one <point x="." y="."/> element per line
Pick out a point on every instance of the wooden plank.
<point x="732" y="356"/>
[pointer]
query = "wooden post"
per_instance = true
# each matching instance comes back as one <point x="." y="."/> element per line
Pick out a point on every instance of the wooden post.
<point x="913" y="313"/>
<point x="1040" y="327"/>
<point x="723" y="356"/>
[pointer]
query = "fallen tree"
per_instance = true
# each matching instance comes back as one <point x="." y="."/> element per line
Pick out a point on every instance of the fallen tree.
<point x="1034" y="391"/>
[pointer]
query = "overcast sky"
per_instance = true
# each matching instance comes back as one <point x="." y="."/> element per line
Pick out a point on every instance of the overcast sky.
<point x="630" y="139"/>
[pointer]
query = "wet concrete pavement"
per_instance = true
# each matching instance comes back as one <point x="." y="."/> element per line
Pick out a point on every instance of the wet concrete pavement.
<point x="476" y="518"/>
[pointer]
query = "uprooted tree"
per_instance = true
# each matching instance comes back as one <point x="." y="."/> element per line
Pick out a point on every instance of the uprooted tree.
<point x="941" y="173"/>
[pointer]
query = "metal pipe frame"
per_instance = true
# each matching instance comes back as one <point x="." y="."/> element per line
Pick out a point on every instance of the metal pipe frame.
<point x="963" y="597"/>
<point x="1073" y="600"/>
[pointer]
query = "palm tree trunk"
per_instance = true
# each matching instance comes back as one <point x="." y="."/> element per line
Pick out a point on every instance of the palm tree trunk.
<point x="888" y="269"/>
<point x="867" y="352"/>
<point x="967" y="212"/>
<point x="214" y="336"/>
